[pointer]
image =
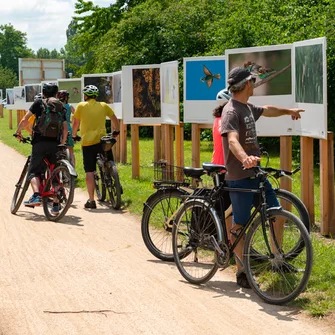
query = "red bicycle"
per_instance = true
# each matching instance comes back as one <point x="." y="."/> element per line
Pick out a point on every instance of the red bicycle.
<point x="56" y="185"/>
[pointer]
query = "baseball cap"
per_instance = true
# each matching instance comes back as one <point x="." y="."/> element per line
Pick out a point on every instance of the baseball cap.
<point x="237" y="74"/>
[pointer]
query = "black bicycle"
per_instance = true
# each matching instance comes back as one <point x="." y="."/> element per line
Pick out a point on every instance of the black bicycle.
<point x="107" y="176"/>
<point x="173" y="185"/>
<point x="276" y="269"/>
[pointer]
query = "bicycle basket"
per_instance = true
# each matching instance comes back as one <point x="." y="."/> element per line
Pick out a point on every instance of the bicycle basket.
<point x="169" y="174"/>
<point x="107" y="142"/>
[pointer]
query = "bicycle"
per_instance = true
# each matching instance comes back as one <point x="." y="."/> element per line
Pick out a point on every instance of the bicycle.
<point x="276" y="271"/>
<point x="107" y="177"/>
<point x="173" y="189"/>
<point x="57" y="185"/>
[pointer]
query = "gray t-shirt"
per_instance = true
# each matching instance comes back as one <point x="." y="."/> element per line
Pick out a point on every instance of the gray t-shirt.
<point x="240" y="118"/>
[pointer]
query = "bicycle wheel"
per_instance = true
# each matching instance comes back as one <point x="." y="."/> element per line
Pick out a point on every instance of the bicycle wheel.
<point x="156" y="223"/>
<point x="60" y="189"/>
<point x="21" y="188"/>
<point x="113" y="185"/>
<point x="100" y="188"/>
<point x="193" y="250"/>
<point x="277" y="277"/>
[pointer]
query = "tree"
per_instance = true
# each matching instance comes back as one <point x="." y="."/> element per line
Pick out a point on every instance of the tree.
<point x="8" y="79"/>
<point x="13" y="45"/>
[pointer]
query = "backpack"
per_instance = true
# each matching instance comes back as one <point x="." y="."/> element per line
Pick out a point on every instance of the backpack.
<point x="50" y="122"/>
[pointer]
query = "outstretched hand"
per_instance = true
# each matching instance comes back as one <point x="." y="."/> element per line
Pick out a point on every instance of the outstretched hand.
<point x="295" y="113"/>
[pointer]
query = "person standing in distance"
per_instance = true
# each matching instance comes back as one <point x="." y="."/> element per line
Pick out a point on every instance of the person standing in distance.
<point x="241" y="151"/>
<point x="91" y="117"/>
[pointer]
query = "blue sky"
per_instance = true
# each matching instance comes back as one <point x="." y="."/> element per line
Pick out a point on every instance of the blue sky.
<point x="44" y="21"/>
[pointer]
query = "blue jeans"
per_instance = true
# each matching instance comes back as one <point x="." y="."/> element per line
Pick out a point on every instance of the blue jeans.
<point x="243" y="202"/>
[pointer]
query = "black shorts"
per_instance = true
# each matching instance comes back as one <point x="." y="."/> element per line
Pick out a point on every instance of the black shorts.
<point x="90" y="153"/>
<point x="41" y="150"/>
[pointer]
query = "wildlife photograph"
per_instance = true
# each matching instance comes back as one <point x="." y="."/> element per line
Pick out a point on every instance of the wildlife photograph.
<point x="105" y="85"/>
<point x="10" y="96"/>
<point x="309" y="74"/>
<point x="73" y="86"/>
<point x="31" y="91"/>
<point x="204" y="78"/>
<point x="146" y="92"/>
<point x="19" y="95"/>
<point x="272" y="70"/>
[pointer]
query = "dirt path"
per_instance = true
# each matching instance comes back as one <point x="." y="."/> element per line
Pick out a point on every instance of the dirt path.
<point x="91" y="274"/>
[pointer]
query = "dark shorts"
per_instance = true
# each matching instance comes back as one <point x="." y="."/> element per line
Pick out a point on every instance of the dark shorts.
<point x="41" y="150"/>
<point x="90" y="153"/>
<point x="243" y="202"/>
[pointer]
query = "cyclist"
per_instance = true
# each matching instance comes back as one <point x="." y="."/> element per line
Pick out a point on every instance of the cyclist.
<point x="63" y="96"/>
<point x="42" y="147"/>
<point x="241" y="151"/>
<point x="91" y="117"/>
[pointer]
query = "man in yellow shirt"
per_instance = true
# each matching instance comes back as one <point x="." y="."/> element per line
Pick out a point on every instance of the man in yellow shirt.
<point x="91" y="117"/>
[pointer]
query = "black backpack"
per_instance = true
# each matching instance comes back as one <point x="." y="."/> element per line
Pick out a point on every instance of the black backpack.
<point x="50" y="122"/>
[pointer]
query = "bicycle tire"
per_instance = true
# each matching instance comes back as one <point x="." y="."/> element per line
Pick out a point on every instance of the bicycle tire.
<point x="279" y="278"/>
<point x="114" y="186"/>
<point x="20" y="191"/>
<point x="196" y="222"/>
<point x="100" y="187"/>
<point x="156" y="231"/>
<point x="65" y="192"/>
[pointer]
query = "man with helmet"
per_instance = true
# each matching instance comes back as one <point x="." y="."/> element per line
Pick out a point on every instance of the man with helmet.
<point x="42" y="147"/>
<point x="241" y="151"/>
<point x="91" y="117"/>
<point x="63" y="96"/>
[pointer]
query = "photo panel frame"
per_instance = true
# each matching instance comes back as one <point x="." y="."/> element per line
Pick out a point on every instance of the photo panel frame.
<point x="74" y="87"/>
<point x="117" y="94"/>
<point x="104" y="82"/>
<point x="310" y="94"/>
<point x="141" y="86"/>
<point x="170" y="92"/>
<point x="19" y="97"/>
<point x="272" y="67"/>
<point x="204" y="77"/>
<point x="10" y="98"/>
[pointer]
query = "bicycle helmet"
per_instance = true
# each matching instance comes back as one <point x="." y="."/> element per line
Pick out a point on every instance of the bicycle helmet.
<point x="62" y="95"/>
<point x="91" y="91"/>
<point x="38" y="96"/>
<point x="223" y="95"/>
<point x="50" y="89"/>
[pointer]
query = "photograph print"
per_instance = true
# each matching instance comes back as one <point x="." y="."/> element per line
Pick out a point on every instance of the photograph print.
<point x="10" y="96"/>
<point x="272" y="69"/>
<point x="73" y="86"/>
<point x="31" y="90"/>
<point x="19" y="95"/>
<point x="146" y="93"/>
<point x="204" y="78"/>
<point x="309" y="74"/>
<point x="117" y="88"/>
<point x="105" y="85"/>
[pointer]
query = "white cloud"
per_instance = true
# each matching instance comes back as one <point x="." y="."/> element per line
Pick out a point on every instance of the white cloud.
<point x="44" y="21"/>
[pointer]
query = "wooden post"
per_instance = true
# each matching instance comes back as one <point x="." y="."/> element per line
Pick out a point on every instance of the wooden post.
<point x="167" y="143"/>
<point x="135" y="151"/>
<point x="10" y="117"/>
<point x="195" y="145"/>
<point x="307" y="176"/>
<point x="286" y="164"/>
<point x="18" y="114"/>
<point x="157" y="143"/>
<point x="327" y="203"/>
<point x="1" y="110"/>
<point x="179" y="130"/>
<point x="123" y="142"/>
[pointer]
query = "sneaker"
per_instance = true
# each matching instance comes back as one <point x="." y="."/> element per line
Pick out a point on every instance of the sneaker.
<point x="242" y="280"/>
<point x="91" y="204"/>
<point x="35" y="200"/>
<point x="55" y="209"/>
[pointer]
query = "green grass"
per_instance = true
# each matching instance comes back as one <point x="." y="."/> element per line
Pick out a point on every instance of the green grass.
<point x="318" y="299"/>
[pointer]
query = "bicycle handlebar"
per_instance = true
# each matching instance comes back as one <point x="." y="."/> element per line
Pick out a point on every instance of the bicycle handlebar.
<point x="23" y="139"/>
